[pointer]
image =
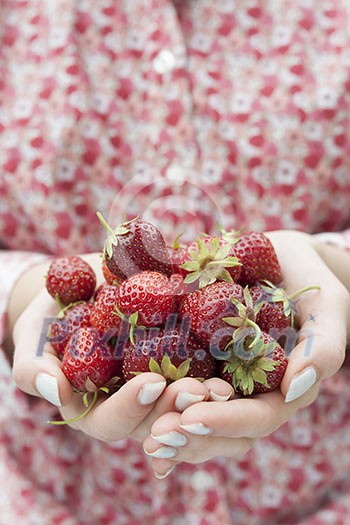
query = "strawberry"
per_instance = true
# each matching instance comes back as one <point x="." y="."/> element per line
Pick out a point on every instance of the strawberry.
<point x="70" y="319"/>
<point x="253" y="366"/>
<point x="210" y="258"/>
<point x="110" y="278"/>
<point x="173" y="353"/>
<point x="150" y="294"/>
<point x="70" y="279"/>
<point x="88" y="361"/>
<point x="278" y="310"/>
<point x="104" y="315"/>
<point x="206" y="309"/>
<point x="178" y="256"/>
<point x="133" y="247"/>
<point x="179" y="289"/>
<point x="257" y="255"/>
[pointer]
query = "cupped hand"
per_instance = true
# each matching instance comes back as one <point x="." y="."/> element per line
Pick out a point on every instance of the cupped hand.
<point x="130" y="411"/>
<point x="230" y="428"/>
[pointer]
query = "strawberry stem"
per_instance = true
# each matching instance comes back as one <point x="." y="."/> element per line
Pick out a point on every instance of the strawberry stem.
<point x="299" y="292"/>
<point x="85" y="413"/>
<point x="104" y="222"/>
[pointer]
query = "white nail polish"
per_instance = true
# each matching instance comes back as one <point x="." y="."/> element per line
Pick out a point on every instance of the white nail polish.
<point x="301" y="383"/>
<point x="150" y="392"/>
<point x="185" y="399"/>
<point x="162" y="453"/>
<point x="47" y="387"/>
<point x="196" y="428"/>
<point x="174" y="439"/>
<point x="216" y="397"/>
<point x="163" y="476"/>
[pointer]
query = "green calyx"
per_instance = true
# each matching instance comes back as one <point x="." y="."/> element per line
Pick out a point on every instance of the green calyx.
<point x="245" y="319"/>
<point x="209" y="263"/>
<point x="277" y="294"/>
<point x="112" y="238"/>
<point x="168" y="370"/>
<point x="230" y="236"/>
<point x="248" y="365"/>
<point x="132" y="320"/>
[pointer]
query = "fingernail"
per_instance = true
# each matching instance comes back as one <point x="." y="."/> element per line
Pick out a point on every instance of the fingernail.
<point x="174" y="439"/>
<point x="216" y="397"/>
<point x="162" y="453"/>
<point x="196" y="428"/>
<point x="150" y="392"/>
<point x="162" y="476"/>
<point x="47" y="387"/>
<point x="301" y="383"/>
<point x="185" y="399"/>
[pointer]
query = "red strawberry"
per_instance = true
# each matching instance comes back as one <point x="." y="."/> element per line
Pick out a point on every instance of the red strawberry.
<point x="69" y="320"/>
<point x="88" y="361"/>
<point x="254" y="366"/>
<point x="211" y="258"/>
<point x="70" y="279"/>
<point x="179" y="289"/>
<point x="257" y="255"/>
<point x="206" y="309"/>
<point x="172" y="353"/>
<point x="150" y="294"/>
<point x="277" y="310"/>
<point x="109" y="276"/>
<point x="178" y="256"/>
<point x="133" y="247"/>
<point x="104" y="315"/>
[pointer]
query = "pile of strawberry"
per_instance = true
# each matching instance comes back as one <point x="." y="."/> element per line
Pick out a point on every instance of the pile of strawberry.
<point x="214" y="307"/>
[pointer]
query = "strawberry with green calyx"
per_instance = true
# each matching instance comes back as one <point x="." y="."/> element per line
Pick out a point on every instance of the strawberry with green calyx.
<point x="279" y="309"/>
<point x="245" y="318"/>
<point x="69" y="319"/>
<point x="133" y="247"/>
<point x="254" y="369"/>
<point x="104" y="316"/>
<point x="205" y="308"/>
<point x="89" y="362"/>
<point x="70" y="279"/>
<point x="150" y="294"/>
<point x="257" y="255"/>
<point x="172" y="353"/>
<point x="211" y="259"/>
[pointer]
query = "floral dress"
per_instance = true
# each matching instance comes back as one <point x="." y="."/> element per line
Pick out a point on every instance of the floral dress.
<point x="188" y="113"/>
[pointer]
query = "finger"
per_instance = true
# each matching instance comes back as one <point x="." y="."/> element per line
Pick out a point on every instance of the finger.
<point x="162" y="468"/>
<point x="219" y="390"/>
<point x="320" y="351"/>
<point x="323" y="315"/>
<point x="168" y="441"/>
<point x="177" y="397"/>
<point x="36" y="367"/>
<point x="245" y="417"/>
<point x="117" y="416"/>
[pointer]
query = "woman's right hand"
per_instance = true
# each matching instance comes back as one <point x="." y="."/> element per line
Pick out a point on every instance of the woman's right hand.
<point x="130" y="411"/>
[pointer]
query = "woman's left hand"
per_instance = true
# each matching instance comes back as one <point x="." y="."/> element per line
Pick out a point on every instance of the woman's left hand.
<point x="229" y="428"/>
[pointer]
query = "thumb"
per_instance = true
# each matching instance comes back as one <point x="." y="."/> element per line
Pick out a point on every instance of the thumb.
<point x="36" y="368"/>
